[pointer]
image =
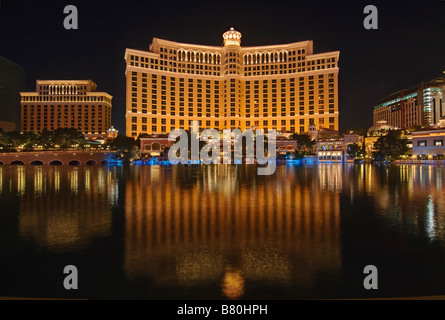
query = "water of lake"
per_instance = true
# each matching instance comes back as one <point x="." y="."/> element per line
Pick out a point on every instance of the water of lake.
<point x="222" y="232"/>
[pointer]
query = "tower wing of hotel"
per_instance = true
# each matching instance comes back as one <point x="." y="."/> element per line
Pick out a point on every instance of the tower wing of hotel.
<point x="283" y="87"/>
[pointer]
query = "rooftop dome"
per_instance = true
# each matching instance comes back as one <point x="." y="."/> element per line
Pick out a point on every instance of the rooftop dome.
<point x="381" y="125"/>
<point x="232" y="37"/>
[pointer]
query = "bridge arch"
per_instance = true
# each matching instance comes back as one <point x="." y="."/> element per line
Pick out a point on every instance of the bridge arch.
<point x="105" y="162"/>
<point x="74" y="163"/>
<point x="90" y="163"/>
<point x="36" y="163"/>
<point x="1" y="163"/>
<point x="17" y="163"/>
<point x="56" y="163"/>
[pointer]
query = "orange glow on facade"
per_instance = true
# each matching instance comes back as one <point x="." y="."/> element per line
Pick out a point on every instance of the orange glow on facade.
<point x="283" y="87"/>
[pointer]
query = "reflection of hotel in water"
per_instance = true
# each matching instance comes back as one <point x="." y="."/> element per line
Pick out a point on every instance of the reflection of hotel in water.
<point x="222" y="224"/>
<point x="61" y="208"/>
<point x="270" y="224"/>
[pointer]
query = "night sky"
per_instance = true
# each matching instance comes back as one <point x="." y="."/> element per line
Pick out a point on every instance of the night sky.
<point x="408" y="47"/>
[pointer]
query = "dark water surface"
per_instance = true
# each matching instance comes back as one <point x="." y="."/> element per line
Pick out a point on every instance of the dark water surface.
<point x="222" y="232"/>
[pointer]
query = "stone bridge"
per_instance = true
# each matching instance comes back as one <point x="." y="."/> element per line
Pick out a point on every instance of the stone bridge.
<point x="73" y="158"/>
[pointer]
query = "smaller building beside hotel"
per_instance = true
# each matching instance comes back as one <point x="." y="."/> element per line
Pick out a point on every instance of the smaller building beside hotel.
<point x="336" y="149"/>
<point x="286" y="146"/>
<point x="381" y="128"/>
<point x="428" y="144"/>
<point x="154" y="145"/>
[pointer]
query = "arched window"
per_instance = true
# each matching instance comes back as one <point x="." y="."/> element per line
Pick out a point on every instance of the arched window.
<point x="284" y="56"/>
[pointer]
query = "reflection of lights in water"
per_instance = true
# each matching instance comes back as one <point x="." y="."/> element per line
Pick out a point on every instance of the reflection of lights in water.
<point x="265" y="263"/>
<point x="38" y="180"/>
<point x="193" y="224"/>
<point x="21" y="182"/>
<point x="233" y="284"/>
<point x="113" y="190"/>
<point x="410" y="177"/>
<point x="74" y="177"/>
<point x="330" y="177"/>
<point x="109" y="177"/>
<point x="369" y="178"/>
<point x="62" y="231"/>
<point x="57" y="180"/>
<point x="421" y="179"/>
<point x="101" y="179"/>
<point x="59" y="222"/>
<point x="361" y="178"/>
<point x="439" y="175"/>
<point x="155" y="173"/>
<point x="87" y="180"/>
<point x="197" y="266"/>
<point x="214" y="182"/>
<point x="1" y="180"/>
<point x="429" y="223"/>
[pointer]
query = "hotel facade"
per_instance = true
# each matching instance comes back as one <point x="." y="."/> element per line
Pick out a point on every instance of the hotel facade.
<point x="66" y="104"/>
<point x="422" y="105"/>
<point x="283" y="87"/>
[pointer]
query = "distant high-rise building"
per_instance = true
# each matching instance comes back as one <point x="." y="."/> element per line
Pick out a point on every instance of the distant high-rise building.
<point x="12" y="82"/>
<point x="283" y="87"/>
<point x="422" y="105"/>
<point x="66" y="104"/>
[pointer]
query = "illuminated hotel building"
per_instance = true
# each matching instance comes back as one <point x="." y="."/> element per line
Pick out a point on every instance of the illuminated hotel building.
<point x="283" y="87"/>
<point x="66" y="104"/>
<point x="420" y="106"/>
